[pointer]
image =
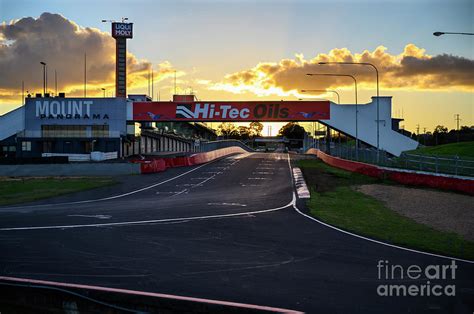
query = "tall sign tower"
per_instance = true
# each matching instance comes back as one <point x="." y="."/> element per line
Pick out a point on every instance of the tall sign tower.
<point x="121" y="32"/>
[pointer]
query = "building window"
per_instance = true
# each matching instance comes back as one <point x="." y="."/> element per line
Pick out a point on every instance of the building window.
<point x="26" y="146"/>
<point x="87" y="146"/>
<point x="100" y="130"/>
<point x="64" y="130"/>
<point x="47" y="147"/>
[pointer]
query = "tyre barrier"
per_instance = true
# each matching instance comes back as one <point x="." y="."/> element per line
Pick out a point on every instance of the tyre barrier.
<point x="156" y="164"/>
<point x="408" y="177"/>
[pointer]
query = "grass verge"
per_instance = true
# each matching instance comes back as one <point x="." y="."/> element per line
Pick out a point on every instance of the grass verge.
<point x="464" y="150"/>
<point x="334" y="201"/>
<point x="14" y="191"/>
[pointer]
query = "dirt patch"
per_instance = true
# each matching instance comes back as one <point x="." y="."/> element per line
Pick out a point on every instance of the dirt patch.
<point x="320" y="180"/>
<point x="440" y="210"/>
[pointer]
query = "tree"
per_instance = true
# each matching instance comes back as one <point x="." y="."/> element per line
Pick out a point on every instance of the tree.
<point x="255" y="129"/>
<point x="244" y="132"/>
<point x="228" y="130"/>
<point x="440" y="129"/>
<point x="292" y="130"/>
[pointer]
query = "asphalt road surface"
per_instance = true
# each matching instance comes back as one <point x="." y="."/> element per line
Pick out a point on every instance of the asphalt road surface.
<point x="228" y="230"/>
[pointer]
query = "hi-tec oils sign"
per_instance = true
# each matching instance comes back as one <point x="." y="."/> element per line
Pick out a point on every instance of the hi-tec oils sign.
<point x="122" y="30"/>
<point x="232" y="111"/>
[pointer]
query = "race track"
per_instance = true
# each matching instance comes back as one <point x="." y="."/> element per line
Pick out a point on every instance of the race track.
<point x="228" y="230"/>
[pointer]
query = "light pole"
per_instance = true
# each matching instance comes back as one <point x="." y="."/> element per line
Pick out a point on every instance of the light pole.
<point x="378" y="95"/>
<point x="357" y="107"/>
<point x="44" y="77"/>
<point x="323" y="90"/>
<point x="103" y="89"/>
<point x="437" y="34"/>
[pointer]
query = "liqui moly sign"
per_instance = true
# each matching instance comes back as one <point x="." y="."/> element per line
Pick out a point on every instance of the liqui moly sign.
<point x="67" y="109"/>
<point x="122" y="30"/>
<point x="232" y="111"/>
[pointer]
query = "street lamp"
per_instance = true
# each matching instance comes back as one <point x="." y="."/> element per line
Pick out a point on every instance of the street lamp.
<point x="357" y="108"/>
<point x="323" y="90"/>
<point x="44" y="77"/>
<point x="377" y="75"/>
<point x="437" y="34"/>
<point x="103" y="89"/>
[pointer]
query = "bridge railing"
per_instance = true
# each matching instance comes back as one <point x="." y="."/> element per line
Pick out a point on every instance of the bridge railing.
<point x="453" y="165"/>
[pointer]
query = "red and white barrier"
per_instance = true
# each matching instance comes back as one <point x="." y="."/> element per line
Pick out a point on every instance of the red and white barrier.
<point x="408" y="177"/>
<point x="153" y="165"/>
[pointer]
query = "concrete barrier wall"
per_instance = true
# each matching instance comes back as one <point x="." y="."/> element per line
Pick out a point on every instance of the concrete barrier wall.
<point x="156" y="164"/>
<point x="438" y="181"/>
<point x="214" y="145"/>
<point x="82" y="169"/>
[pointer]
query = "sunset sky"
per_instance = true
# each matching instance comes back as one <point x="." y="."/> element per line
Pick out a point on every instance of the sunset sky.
<point x="250" y="50"/>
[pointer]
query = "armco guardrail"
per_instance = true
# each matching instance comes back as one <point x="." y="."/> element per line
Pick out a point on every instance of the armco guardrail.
<point x="94" y="156"/>
<point x="439" y="181"/>
<point x="154" y="164"/>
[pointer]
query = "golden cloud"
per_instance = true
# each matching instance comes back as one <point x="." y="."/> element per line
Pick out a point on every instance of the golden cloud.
<point x="61" y="43"/>
<point x="412" y="69"/>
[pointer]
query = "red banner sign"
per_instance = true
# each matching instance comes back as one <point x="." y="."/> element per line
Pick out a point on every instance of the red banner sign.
<point x="231" y="111"/>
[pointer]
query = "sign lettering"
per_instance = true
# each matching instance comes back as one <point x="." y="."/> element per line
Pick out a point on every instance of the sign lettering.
<point x="232" y="111"/>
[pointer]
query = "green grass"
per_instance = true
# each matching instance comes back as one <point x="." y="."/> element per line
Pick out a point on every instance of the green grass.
<point x="341" y="176"/>
<point x="354" y="211"/>
<point x="462" y="149"/>
<point x="27" y="190"/>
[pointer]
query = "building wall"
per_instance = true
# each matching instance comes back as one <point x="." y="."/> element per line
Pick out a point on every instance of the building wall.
<point x="102" y="111"/>
<point x="67" y="113"/>
<point x="343" y="118"/>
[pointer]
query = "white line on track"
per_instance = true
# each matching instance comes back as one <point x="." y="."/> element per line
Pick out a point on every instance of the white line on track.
<point x="115" y="196"/>
<point x="227" y="204"/>
<point x="204" y="181"/>
<point x="179" y="193"/>
<point x="153" y="221"/>
<point x="92" y="216"/>
<point x="368" y="239"/>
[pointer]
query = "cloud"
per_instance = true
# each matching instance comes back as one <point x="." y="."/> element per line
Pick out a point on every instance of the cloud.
<point x="412" y="69"/>
<point x="61" y="43"/>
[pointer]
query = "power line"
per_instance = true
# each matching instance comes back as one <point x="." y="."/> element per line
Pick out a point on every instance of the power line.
<point x="457" y="119"/>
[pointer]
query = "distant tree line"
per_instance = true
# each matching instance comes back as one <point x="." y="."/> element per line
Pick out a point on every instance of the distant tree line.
<point x="441" y="135"/>
<point x="229" y="130"/>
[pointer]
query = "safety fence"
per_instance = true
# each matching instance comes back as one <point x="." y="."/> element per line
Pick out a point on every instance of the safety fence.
<point x="408" y="177"/>
<point x="437" y="164"/>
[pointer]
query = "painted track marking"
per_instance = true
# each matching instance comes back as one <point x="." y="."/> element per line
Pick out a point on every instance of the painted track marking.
<point x="115" y="196"/>
<point x="153" y="221"/>
<point x="368" y="239"/>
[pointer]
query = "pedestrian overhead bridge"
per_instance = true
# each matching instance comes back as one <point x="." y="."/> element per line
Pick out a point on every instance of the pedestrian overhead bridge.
<point x="352" y="120"/>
